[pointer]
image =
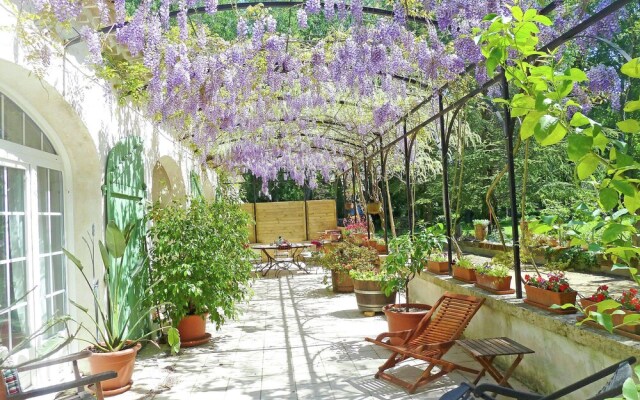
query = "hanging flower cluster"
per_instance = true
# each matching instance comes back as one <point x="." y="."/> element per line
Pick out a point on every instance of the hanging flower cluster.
<point x="267" y="102"/>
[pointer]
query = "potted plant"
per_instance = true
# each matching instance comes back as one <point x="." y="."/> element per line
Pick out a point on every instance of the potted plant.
<point x="554" y="289"/>
<point x="344" y="257"/>
<point x="367" y="285"/>
<point x="374" y="207"/>
<point x="480" y="228"/>
<point x="589" y="303"/>
<point x="381" y="246"/>
<point x="495" y="276"/>
<point x="621" y="314"/>
<point x="465" y="270"/>
<point x="405" y="260"/>
<point x="438" y="264"/>
<point x="117" y="342"/>
<point x="202" y="265"/>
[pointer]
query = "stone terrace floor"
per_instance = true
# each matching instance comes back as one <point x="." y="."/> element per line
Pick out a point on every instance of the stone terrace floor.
<point x="295" y="340"/>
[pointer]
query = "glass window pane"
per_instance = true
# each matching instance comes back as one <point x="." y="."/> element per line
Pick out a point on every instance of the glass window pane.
<point x="16" y="236"/>
<point x="45" y="275"/>
<point x="43" y="232"/>
<point x="3" y="185"/>
<point x="12" y="121"/>
<point x="43" y="190"/>
<point x="19" y="325"/>
<point x="18" y="279"/>
<point x="4" y="329"/>
<point x="56" y="233"/>
<point x="4" y="288"/>
<point x="46" y="145"/>
<point x="3" y="237"/>
<point x="32" y="134"/>
<point x="59" y="306"/>
<point x="15" y="189"/>
<point x="59" y="273"/>
<point x="55" y="189"/>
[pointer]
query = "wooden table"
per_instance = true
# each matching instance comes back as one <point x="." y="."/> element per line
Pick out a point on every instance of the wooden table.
<point x="486" y="350"/>
<point x="281" y="265"/>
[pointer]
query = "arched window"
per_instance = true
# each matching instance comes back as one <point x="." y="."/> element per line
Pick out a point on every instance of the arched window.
<point x="31" y="227"/>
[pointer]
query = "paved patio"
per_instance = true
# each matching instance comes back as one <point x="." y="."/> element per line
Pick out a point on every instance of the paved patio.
<point x="295" y="340"/>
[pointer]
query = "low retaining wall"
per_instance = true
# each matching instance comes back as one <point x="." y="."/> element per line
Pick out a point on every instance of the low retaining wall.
<point x="564" y="352"/>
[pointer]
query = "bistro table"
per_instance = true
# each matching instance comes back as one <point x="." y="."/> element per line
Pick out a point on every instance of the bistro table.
<point x="486" y="350"/>
<point x="277" y="264"/>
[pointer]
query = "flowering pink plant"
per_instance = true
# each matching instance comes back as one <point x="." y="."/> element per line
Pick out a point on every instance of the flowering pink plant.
<point x="355" y="225"/>
<point x="555" y="282"/>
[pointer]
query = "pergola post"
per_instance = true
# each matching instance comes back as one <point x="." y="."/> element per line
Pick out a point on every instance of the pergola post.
<point x="407" y="173"/>
<point x="445" y="183"/>
<point x="383" y="172"/>
<point x="364" y="193"/>
<point x="507" y="125"/>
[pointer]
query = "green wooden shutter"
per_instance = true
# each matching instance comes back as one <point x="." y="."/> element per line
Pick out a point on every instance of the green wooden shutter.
<point x="125" y="192"/>
<point x="196" y="187"/>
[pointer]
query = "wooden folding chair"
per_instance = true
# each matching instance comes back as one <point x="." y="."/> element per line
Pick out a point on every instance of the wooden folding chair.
<point x="432" y="338"/>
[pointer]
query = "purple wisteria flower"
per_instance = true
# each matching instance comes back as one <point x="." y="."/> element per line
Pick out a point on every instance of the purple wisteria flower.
<point x="604" y="81"/>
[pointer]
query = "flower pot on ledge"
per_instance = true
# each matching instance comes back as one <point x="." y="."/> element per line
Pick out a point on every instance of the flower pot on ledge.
<point x="590" y="305"/>
<point x="494" y="283"/>
<point x="480" y="231"/>
<point x="546" y="298"/>
<point x="438" y="267"/>
<point x="464" y="274"/>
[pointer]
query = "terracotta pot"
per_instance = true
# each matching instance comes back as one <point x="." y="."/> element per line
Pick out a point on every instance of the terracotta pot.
<point x="3" y="388"/>
<point x="493" y="282"/>
<point x="480" y="231"/>
<point x="590" y="305"/>
<point x="382" y="248"/>
<point x="348" y="205"/>
<point x="370" y="297"/>
<point x="467" y="275"/>
<point x="548" y="298"/>
<point x="121" y="362"/>
<point x="341" y="282"/>
<point x="438" y="267"/>
<point x="400" y="321"/>
<point x="192" y="327"/>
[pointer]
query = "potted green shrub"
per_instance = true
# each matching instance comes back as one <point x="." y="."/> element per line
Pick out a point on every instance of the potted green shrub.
<point x="465" y="270"/>
<point x="117" y="342"/>
<point x="200" y="259"/>
<point x="480" y="228"/>
<point x="406" y="259"/>
<point x="367" y="285"/>
<point x="495" y="276"/>
<point x="343" y="257"/>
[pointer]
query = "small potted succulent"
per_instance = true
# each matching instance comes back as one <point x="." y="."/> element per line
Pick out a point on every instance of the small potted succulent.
<point x="344" y="257"/>
<point x="480" y="228"/>
<point x="495" y="276"/>
<point x="546" y="291"/>
<point x="465" y="270"/>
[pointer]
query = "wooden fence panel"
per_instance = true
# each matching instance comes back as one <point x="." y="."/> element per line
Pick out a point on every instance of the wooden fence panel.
<point x="285" y="219"/>
<point x="248" y="208"/>
<point x="321" y="215"/>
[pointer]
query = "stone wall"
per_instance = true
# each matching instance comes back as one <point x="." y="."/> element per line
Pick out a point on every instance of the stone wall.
<point x="564" y="352"/>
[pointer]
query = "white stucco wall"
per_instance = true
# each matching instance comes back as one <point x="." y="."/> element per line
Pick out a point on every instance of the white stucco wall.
<point x="81" y="116"/>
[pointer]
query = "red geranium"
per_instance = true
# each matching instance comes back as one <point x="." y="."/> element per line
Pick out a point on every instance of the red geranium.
<point x="555" y="282"/>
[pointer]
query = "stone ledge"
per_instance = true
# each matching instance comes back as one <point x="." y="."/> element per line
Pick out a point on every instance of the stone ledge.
<point x="564" y="352"/>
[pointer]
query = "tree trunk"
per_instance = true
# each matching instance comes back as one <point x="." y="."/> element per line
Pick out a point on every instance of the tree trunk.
<point x="392" y="223"/>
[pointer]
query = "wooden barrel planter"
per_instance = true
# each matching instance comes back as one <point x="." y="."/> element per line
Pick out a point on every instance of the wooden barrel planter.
<point x="341" y="282"/>
<point x="370" y="297"/>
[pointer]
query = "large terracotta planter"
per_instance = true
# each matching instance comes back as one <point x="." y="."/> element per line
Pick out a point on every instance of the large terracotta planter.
<point x="341" y="282"/>
<point x="3" y="389"/>
<point x="382" y="248"/>
<point x="547" y="298"/>
<point x="121" y="362"/>
<point x="192" y="330"/>
<point x="370" y="297"/>
<point x="438" y="267"/>
<point x="494" y="283"/>
<point x="400" y="321"/>
<point x="464" y="274"/>
<point x="480" y="231"/>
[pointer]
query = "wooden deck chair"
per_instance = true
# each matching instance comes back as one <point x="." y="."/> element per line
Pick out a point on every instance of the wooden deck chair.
<point x="432" y="338"/>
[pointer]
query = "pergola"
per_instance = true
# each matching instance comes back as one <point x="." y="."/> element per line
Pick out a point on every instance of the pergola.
<point x="366" y="148"/>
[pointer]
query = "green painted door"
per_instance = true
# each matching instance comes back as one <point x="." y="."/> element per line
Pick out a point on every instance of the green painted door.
<point x="125" y="192"/>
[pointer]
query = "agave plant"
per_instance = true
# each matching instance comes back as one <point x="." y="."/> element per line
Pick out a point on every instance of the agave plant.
<point x="117" y="327"/>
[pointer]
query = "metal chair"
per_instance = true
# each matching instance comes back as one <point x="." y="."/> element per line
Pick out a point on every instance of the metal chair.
<point x="619" y="372"/>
